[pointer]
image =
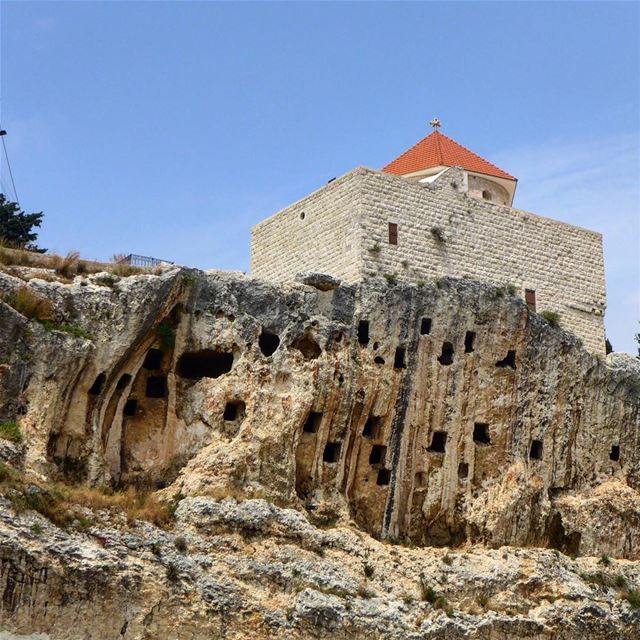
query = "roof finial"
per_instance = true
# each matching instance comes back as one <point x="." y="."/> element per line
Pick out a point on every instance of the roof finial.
<point x="435" y="123"/>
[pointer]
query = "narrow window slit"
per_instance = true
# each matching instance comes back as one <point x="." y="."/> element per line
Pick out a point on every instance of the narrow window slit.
<point x="363" y="332"/>
<point x="425" y="326"/>
<point x="398" y="362"/>
<point x="393" y="233"/>
<point x="614" y="454"/>
<point x="469" y="339"/>
<point x="530" y="299"/>
<point x="463" y="470"/>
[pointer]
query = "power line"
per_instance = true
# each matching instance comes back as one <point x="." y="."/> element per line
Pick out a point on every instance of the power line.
<point x="3" y="133"/>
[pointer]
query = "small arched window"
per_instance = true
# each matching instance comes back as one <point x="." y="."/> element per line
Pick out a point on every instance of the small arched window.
<point x="486" y="195"/>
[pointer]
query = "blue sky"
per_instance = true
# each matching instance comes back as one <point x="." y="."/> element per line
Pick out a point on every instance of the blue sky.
<point x="169" y="129"/>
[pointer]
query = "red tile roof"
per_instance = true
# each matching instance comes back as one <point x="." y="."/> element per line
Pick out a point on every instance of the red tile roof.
<point x="437" y="149"/>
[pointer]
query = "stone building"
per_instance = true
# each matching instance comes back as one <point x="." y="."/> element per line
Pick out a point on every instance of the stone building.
<point x="438" y="210"/>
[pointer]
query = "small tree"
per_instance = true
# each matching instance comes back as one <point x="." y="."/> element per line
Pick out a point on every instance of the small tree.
<point x="16" y="226"/>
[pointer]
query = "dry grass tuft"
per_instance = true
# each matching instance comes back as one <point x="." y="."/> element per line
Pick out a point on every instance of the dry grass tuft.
<point x="59" y="502"/>
<point x="25" y="301"/>
<point x="67" y="267"/>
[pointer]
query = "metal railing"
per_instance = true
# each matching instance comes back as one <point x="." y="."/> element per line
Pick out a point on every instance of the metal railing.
<point x="142" y="261"/>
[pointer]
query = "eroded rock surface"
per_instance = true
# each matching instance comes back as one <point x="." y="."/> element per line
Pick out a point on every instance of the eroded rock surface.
<point x="445" y="415"/>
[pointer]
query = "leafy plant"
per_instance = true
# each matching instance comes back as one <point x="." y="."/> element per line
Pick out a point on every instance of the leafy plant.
<point x="552" y="317"/>
<point x="72" y="329"/>
<point x="391" y="278"/>
<point x="633" y="598"/>
<point x="375" y="249"/>
<point x="172" y="573"/>
<point x="11" y="431"/>
<point x="16" y="226"/>
<point x="181" y="544"/>
<point x="166" y="334"/>
<point x="438" y="235"/>
<point x="368" y="569"/>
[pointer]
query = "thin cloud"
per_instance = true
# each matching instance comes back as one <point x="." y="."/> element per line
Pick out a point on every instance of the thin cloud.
<point x="594" y="184"/>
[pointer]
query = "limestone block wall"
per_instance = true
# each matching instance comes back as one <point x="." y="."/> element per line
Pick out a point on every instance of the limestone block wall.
<point x="318" y="233"/>
<point x="343" y="229"/>
<point x="443" y="231"/>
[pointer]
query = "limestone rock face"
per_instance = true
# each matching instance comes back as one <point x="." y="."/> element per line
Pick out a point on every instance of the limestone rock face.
<point x="445" y="415"/>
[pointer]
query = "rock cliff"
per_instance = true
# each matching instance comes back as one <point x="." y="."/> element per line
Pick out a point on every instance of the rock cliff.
<point x="383" y="460"/>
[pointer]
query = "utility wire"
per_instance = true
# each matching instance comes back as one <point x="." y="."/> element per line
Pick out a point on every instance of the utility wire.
<point x="6" y="155"/>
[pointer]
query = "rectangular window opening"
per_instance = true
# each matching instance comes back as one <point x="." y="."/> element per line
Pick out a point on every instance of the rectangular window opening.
<point x="614" y="454"/>
<point x="378" y="452"/>
<point x="331" y="452"/>
<point x="425" y="326"/>
<point x="398" y="362"/>
<point x="130" y="407"/>
<point x="312" y="423"/>
<point x="438" y="442"/>
<point x="481" y="433"/>
<point x="530" y="299"/>
<point x="393" y="233"/>
<point x="371" y="427"/>
<point x="469" y="339"/>
<point x="156" y="387"/>
<point x="384" y="477"/>
<point x="363" y="332"/>
<point x="535" y="453"/>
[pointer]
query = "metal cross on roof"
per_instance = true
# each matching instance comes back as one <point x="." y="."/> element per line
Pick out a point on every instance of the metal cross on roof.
<point x="435" y="123"/>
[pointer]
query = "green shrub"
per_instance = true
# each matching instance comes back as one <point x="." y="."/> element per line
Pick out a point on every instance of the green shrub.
<point x="391" y="278"/>
<point x="605" y="560"/>
<point x="633" y="598"/>
<point x="427" y="592"/>
<point x="180" y="544"/>
<point x="172" y="573"/>
<point x="512" y="289"/>
<point x="368" y="569"/>
<point x="10" y="430"/>
<point x="166" y="334"/>
<point x="552" y="317"/>
<point x="375" y="249"/>
<point x="65" y="327"/>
